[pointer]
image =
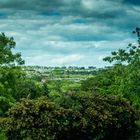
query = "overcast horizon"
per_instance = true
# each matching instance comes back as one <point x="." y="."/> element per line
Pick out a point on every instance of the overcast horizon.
<point x="69" y="32"/>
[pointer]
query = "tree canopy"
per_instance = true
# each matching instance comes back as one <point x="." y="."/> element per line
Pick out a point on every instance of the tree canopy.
<point x="131" y="54"/>
<point x="7" y="57"/>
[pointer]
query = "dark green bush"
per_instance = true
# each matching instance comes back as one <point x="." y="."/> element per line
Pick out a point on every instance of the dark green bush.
<point x="82" y="117"/>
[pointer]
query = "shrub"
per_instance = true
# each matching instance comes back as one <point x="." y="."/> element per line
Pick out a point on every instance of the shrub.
<point x="82" y="117"/>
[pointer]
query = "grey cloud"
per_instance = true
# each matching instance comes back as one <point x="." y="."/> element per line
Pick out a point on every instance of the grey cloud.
<point x="86" y="8"/>
<point x="135" y="2"/>
<point x="49" y="29"/>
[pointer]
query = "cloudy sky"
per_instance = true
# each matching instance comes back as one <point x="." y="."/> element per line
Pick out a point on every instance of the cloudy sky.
<point x="69" y="32"/>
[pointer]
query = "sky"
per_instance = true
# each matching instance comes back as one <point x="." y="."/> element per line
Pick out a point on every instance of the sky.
<point x="69" y="32"/>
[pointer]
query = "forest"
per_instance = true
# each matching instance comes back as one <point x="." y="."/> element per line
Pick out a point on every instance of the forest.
<point x="74" y="103"/>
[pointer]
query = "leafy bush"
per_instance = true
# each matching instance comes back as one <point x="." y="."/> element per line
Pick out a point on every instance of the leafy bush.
<point x="82" y="117"/>
<point x="5" y="104"/>
<point x="28" y="87"/>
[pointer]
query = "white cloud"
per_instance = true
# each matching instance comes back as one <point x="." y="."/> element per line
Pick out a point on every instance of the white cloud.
<point x="54" y="59"/>
<point x="101" y="5"/>
<point x="67" y="59"/>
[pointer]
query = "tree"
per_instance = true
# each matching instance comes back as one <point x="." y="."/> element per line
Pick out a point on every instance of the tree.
<point x="131" y="54"/>
<point x="29" y="88"/>
<point x="10" y="74"/>
<point x="5" y="104"/>
<point x="7" y="58"/>
<point x="76" y="116"/>
<point x="129" y="81"/>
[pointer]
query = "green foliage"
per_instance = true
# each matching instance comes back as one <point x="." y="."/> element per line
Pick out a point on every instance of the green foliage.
<point x="9" y="72"/>
<point x="105" y="81"/>
<point x="131" y="55"/>
<point x="117" y="80"/>
<point x="30" y="88"/>
<point x="9" y="78"/>
<point x="129" y="79"/>
<point x="61" y="86"/>
<point x="7" y="58"/>
<point x="78" y="116"/>
<point x="5" y="104"/>
<point x="2" y="134"/>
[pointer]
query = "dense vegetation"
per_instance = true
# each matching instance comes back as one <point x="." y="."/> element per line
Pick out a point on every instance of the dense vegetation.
<point x="103" y="105"/>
